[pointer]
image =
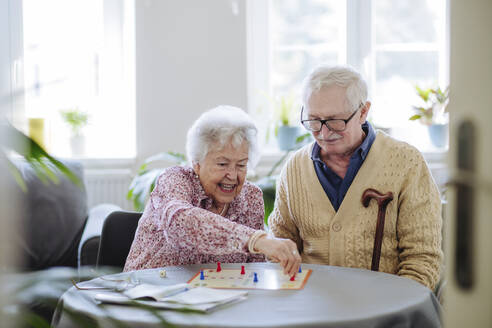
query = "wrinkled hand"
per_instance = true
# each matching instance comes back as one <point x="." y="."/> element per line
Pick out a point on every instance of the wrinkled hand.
<point x="281" y="250"/>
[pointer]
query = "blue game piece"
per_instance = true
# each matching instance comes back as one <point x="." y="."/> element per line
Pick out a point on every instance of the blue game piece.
<point x="255" y="279"/>
<point x="202" y="276"/>
<point x="300" y="270"/>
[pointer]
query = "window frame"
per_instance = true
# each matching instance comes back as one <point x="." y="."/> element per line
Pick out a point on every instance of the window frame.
<point x="360" y="51"/>
<point x="119" y="21"/>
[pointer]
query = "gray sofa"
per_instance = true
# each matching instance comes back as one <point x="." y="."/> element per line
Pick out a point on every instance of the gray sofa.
<point x="58" y="228"/>
<point x="59" y="236"/>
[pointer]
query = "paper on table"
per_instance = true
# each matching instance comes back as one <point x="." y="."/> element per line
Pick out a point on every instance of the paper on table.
<point x="113" y="298"/>
<point x="201" y="295"/>
<point x="157" y="292"/>
<point x="198" y="299"/>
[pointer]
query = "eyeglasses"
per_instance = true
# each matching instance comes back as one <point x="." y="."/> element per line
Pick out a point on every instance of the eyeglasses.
<point x="118" y="285"/>
<point x="336" y="125"/>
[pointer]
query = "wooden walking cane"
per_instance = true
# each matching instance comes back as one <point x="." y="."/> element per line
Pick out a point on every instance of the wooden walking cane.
<point x="383" y="201"/>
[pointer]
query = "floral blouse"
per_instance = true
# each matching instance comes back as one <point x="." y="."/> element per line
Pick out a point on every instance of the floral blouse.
<point x="177" y="226"/>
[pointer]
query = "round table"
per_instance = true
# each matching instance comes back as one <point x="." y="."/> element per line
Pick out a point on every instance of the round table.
<point x="332" y="297"/>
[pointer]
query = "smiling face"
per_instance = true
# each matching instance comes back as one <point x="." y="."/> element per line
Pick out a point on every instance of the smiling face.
<point x="331" y="103"/>
<point x="222" y="172"/>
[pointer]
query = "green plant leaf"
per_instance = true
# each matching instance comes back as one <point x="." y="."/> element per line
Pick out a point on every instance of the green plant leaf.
<point x="284" y="113"/>
<point x="303" y="137"/>
<point x="423" y="93"/>
<point x="169" y="156"/>
<point x="434" y="99"/>
<point x="144" y="182"/>
<point x="16" y="174"/>
<point x="141" y="186"/>
<point x="268" y="187"/>
<point x="75" y="118"/>
<point x="43" y="163"/>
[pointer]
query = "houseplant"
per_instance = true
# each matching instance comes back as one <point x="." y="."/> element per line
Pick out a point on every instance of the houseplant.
<point x="76" y="120"/>
<point x="433" y="113"/>
<point x="144" y="182"/>
<point x="45" y="165"/>
<point x="285" y="122"/>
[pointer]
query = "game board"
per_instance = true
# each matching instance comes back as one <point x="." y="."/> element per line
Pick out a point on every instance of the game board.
<point x="233" y="279"/>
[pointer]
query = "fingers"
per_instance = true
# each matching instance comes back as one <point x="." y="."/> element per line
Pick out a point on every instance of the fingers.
<point x="280" y="250"/>
<point x="293" y="261"/>
<point x="283" y="251"/>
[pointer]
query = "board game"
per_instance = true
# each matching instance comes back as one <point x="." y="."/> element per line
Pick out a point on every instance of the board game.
<point x="249" y="279"/>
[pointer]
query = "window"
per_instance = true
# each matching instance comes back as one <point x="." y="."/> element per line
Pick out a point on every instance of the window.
<point x="394" y="44"/>
<point x="79" y="55"/>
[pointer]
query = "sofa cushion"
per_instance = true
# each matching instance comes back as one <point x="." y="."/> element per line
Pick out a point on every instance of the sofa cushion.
<point x="53" y="218"/>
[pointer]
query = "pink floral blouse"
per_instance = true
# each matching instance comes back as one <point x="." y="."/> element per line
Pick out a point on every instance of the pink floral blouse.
<point x="177" y="226"/>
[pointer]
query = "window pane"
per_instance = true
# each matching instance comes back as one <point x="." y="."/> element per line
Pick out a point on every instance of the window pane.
<point x="407" y="20"/>
<point x="304" y="35"/>
<point x="74" y="59"/>
<point x="414" y="66"/>
<point x="290" y="68"/>
<point x="306" y="22"/>
<point x="397" y="73"/>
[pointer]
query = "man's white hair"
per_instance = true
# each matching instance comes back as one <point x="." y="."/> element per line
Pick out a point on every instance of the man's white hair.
<point x="218" y="126"/>
<point x="343" y="76"/>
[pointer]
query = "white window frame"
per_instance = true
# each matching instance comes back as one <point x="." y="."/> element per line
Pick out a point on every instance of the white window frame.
<point x="116" y="12"/>
<point x="359" y="53"/>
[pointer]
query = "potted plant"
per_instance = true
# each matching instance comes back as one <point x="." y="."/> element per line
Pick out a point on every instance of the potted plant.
<point x="433" y="113"/>
<point x="76" y="120"/>
<point x="285" y="123"/>
<point x="144" y="182"/>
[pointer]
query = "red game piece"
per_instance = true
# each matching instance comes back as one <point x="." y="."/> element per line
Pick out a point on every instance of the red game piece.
<point x="293" y="278"/>
<point x="218" y="267"/>
<point x="242" y="269"/>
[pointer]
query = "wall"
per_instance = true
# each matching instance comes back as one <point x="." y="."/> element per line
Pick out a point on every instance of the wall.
<point x="8" y="200"/>
<point x="190" y="56"/>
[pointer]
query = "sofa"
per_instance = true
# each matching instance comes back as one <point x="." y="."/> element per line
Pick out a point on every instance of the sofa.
<point x="57" y="227"/>
<point x="58" y="240"/>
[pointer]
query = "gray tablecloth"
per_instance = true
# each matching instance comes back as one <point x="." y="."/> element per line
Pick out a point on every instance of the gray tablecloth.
<point x="332" y="297"/>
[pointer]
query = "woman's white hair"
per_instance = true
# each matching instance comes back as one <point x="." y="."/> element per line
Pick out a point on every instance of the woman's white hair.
<point x="218" y="126"/>
<point x="343" y="76"/>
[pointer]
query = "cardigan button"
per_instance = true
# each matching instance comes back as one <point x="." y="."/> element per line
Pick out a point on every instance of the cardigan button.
<point x="336" y="227"/>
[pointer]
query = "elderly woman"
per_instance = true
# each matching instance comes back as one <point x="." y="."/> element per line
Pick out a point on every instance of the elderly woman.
<point x="208" y="212"/>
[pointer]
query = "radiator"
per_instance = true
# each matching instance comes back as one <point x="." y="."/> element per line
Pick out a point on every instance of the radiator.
<point x="108" y="186"/>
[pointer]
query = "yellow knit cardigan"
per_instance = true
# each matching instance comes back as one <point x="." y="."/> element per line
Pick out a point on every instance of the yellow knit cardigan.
<point x="412" y="233"/>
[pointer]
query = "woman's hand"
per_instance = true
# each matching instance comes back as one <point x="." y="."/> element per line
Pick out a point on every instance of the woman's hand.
<point x="281" y="250"/>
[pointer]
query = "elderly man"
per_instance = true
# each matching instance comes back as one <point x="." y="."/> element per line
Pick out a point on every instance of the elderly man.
<point x="319" y="192"/>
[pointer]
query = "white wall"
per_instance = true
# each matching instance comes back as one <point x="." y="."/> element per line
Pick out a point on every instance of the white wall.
<point x="5" y="78"/>
<point x="190" y="56"/>
<point x="8" y="200"/>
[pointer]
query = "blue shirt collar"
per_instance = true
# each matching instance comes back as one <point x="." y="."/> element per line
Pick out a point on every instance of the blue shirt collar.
<point x="362" y="150"/>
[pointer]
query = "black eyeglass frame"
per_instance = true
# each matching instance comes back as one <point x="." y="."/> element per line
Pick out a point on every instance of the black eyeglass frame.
<point x="323" y="122"/>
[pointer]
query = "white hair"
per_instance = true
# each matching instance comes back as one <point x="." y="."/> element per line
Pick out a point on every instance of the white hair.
<point x="343" y="76"/>
<point x="219" y="125"/>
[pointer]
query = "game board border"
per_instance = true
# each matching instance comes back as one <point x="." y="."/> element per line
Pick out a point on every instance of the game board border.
<point x="308" y="274"/>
